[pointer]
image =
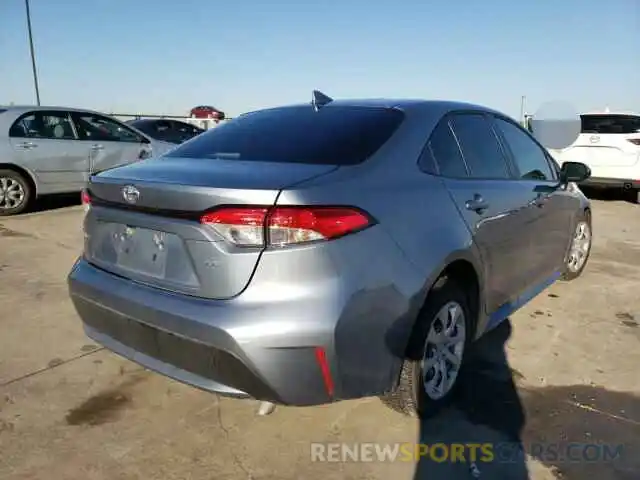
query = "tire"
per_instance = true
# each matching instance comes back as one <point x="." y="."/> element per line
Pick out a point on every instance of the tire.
<point x="573" y="272"/>
<point x="633" y="195"/>
<point x="14" y="184"/>
<point x="410" y="396"/>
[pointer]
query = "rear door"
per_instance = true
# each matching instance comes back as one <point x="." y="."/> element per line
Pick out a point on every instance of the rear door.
<point x="45" y="142"/>
<point x="478" y="176"/>
<point x="609" y="144"/>
<point x="554" y="207"/>
<point x="108" y="143"/>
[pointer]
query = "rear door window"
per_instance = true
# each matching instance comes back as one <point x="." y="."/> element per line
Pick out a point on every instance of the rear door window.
<point x="610" y="124"/>
<point x="333" y="136"/>
<point x="480" y="148"/>
<point x="443" y="150"/>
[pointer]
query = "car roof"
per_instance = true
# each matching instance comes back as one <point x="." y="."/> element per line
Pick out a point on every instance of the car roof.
<point x="30" y="108"/>
<point x="603" y="113"/>
<point x="440" y="107"/>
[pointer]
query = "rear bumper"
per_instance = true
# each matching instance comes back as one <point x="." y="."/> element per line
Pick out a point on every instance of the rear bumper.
<point x="264" y="343"/>
<point x="601" y="182"/>
<point x="215" y="346"/>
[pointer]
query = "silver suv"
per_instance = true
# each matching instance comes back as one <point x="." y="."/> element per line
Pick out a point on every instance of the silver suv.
<point x="46" y="150"/>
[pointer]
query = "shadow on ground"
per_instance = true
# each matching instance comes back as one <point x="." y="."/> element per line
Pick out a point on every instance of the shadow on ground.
<point x="55" y="202"/>
<point x="613" y="194"/>
<point x="578" y="431"/>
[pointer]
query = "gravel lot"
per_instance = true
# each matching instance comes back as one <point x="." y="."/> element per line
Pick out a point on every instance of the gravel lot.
<point x="70" y="410"/>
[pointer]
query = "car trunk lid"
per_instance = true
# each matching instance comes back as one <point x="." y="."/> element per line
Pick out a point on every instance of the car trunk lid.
<point x="143" y="223"/>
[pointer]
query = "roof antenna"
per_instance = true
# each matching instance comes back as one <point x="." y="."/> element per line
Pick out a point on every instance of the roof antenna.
<point x="319" y="100"/>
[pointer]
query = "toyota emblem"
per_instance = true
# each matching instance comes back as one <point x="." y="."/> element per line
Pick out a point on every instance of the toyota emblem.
<point x="130" y="194"/>
<point x="594" y="139"/>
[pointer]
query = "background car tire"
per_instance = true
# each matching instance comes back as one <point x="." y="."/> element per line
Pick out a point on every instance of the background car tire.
<point x="568" y="274"/>
<point x="633" y="195"/>
<point x="14" y="176"/>
<point x="410" y="397"/>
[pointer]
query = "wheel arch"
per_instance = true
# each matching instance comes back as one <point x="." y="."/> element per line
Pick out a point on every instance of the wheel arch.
<point x="30" y="177"/>
<point x="466" y="270"/>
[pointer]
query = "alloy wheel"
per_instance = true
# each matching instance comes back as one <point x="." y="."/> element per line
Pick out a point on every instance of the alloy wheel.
<point x="12" y="193"/>
<point x="443" y="351"/>
<point x="580" y="246"/>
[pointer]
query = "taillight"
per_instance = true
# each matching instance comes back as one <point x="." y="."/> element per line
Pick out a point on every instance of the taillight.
<point x="85" y="198"/>
<point x="291" y="225"/>
<point x="635" y="141"/>
<point x="241" y="226"/>
<point x="248" y="226"/>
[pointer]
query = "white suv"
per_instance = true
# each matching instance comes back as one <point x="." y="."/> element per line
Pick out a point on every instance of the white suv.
<point x="609" y="143"/>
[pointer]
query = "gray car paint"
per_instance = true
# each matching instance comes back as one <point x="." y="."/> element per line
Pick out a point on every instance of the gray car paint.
<point x="358" y="297"/>
<point x="63" y="165"/>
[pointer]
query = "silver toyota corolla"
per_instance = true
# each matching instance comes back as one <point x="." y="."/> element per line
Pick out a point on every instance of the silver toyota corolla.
<point x="313" y="253"/>
<point x="45" y="150"/>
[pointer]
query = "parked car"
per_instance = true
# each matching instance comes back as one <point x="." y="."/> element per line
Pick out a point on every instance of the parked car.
<point x="609" y="143"/>
<point x="303" y="255"/>
<point x="172" y="131"/>
<point x="45" y="150"/>
<point x="207" y="111"/>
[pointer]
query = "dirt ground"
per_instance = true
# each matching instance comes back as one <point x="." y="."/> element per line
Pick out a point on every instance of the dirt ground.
<point x="70" y="410"/>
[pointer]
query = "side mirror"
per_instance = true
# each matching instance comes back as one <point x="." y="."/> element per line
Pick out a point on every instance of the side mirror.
<point x="575" y="172"/>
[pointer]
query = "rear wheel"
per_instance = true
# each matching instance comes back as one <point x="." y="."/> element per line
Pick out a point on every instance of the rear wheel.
<point x="428" y="378"/>
<point x="15" y="193"/>
<point x="580" y="248"/>
<point x="633" y="195"/>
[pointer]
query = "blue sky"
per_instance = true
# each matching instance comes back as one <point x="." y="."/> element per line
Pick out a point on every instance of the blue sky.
<point x="162" y="56"/>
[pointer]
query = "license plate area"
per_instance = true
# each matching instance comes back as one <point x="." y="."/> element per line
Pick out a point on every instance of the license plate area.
<point x="142" y="250"/>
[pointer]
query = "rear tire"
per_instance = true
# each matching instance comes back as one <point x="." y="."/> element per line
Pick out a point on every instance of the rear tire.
<point x="415" y="394"/>
<point x="15" y="193"/>
<point x="572" y="269"/>
<point x="633" y="195"/>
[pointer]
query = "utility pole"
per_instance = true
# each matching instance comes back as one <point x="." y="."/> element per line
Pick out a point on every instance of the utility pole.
<point x="523" y="102"/>
<point x="33" y="56"/>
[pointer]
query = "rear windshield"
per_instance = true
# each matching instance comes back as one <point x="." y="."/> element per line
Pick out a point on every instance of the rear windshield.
<point x="333" y="136"/>
<point x="607" y="124"/>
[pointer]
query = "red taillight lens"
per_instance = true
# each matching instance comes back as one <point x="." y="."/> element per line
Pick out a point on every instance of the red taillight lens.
<point x="85" y="198"/>
<point x="291" y="225"/>
<point x="242" y="226"/>
<point x="635" y="141"/>
<point x="246" y="226"/>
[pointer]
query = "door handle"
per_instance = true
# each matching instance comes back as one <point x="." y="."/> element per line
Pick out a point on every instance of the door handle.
<point x="478" y="204"/>
<point x="97" y="147"/>
<point x="26" y="145"/>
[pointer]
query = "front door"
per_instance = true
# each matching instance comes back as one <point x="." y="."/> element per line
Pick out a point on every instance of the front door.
<point x="46" y="144"/>
<point x="107" y="142"/>
<point x="554" y="206"/>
